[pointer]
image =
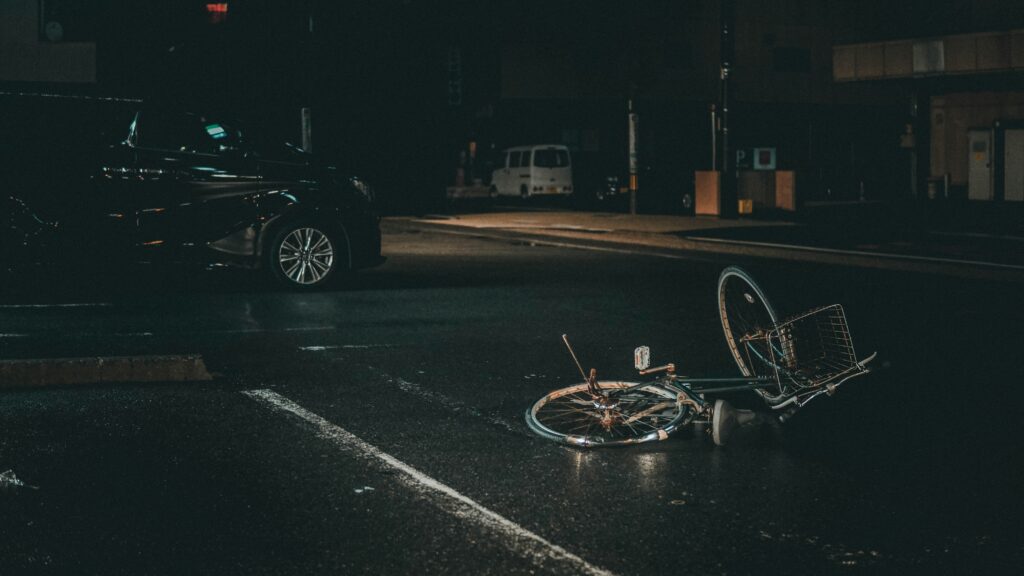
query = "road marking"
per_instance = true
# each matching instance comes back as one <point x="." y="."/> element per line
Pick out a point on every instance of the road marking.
<point x="78" y="305"/>
<point x="342" y="347"/>
<point x="518" y="539"/>
<point x="447" y="402"/>
<point x="258" y="330"/>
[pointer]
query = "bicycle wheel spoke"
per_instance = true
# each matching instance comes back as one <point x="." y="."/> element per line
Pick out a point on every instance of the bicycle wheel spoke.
<point x="574" y="416"/>
<point x="747" y="323"/>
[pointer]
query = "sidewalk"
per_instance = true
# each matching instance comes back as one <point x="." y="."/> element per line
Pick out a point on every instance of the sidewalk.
<point x="842" y="240"/>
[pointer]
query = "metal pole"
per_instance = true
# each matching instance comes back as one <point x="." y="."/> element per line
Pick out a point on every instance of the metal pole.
<point x="728" y="196"/>
<point x="306" y="113"/>
<point x="633" y="157"/>
<point x="307" y="130"/>
<point x="914" y="192"/>
<point x="714" y="140"/>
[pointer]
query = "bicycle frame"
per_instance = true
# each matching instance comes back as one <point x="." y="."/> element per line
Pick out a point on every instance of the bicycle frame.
<point x="694" y="388"/>
<point x="787" y="363"/>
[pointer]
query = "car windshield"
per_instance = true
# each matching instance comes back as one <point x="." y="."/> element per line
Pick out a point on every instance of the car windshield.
<point x="551" y="158"/>
<point x="185" y="132"/>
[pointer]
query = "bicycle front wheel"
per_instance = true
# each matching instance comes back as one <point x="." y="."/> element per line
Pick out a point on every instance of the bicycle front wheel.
<point x="626" y="413"/>
<point x="747" y="316"/>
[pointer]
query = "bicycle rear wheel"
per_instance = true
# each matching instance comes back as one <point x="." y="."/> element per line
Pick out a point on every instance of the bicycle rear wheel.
<point x="631" y="414"/>
<point x="745" y="311"/>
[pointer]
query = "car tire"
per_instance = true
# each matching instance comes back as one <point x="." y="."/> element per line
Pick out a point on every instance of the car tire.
<point x="306" y="256"/>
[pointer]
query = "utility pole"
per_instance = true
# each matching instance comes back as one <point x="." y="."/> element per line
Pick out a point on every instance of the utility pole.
<point x="307" y="128"/>
<point x="310" y="54"/>
<point x="633" y="158"/>
<point x="714" y="138"/>
<point x="728" y="196"/>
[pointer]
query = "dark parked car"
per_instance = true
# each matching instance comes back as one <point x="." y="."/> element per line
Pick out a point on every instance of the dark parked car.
<point x="85" y="179"/>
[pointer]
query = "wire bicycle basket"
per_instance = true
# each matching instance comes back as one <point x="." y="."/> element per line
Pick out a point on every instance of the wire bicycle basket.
<point x="813" y="350"/>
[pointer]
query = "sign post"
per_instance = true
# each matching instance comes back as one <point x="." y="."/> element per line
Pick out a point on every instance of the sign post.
<point x="726" y="52"/>
<point x="307" y="129"/>
<point x="633" y="157"/>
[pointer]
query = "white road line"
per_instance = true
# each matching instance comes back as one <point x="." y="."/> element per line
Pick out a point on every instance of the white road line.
<point x="80" y="305"/>
<point x="541" y="552"/>
<point x="447" y="402"/>
<point x="342" y="347"/>
<point x="257" y="330"/>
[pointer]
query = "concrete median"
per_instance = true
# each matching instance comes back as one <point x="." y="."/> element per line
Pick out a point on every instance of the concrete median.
<point x="39" y="372"/>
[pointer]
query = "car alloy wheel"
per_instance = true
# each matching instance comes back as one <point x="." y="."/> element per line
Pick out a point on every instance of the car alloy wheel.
<point x="306" y="256"/>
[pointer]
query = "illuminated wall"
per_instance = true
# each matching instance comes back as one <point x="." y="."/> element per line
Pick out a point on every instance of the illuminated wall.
<point x="27" y="56"/>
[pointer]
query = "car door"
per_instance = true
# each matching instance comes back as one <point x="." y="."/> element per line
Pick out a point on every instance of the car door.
<point x="510" y="186"/>
<point x="523" y="180"/>
<point x="195" y="179"/>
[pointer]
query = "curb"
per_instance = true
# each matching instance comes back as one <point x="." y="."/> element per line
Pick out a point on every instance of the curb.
<point x="689" y="248"/>
<point x="35" y="373"/>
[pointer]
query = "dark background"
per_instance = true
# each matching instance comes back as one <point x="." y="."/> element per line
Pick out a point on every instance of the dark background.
<point x="400" y="88"/>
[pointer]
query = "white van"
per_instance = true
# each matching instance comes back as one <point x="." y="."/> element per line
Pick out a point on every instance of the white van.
<point x="533" y="170"/>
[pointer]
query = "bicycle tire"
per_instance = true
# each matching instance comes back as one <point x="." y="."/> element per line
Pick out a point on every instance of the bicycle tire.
<point x="640" y="414"/>
<point x="744" y="309"/>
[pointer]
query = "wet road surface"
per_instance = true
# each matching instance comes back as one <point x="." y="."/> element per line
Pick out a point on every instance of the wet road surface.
<point x="378" y="428"/>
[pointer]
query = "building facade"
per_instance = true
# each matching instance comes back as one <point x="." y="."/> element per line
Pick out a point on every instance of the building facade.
<point x="963" y="70"/>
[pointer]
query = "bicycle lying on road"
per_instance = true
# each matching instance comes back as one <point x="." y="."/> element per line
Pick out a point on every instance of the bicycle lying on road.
<point x="787" y="363"/>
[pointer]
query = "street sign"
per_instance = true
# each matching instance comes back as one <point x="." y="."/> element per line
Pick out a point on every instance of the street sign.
<point x="743" y="158"/>
<point x="755" y="158"/>
<point x="764" y="158"/>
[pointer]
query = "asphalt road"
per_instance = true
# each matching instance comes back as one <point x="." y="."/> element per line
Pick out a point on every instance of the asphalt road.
<point x="379" y="429"/>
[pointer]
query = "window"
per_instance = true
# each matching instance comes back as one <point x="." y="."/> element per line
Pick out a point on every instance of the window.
<point x="513" y="159"/>
<point x="184" y="133"/>
<point x="792" y="59"/>
<point x="526" y="158"/>
<point x="68" y="20"/>
<point x="551" y="158"/>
